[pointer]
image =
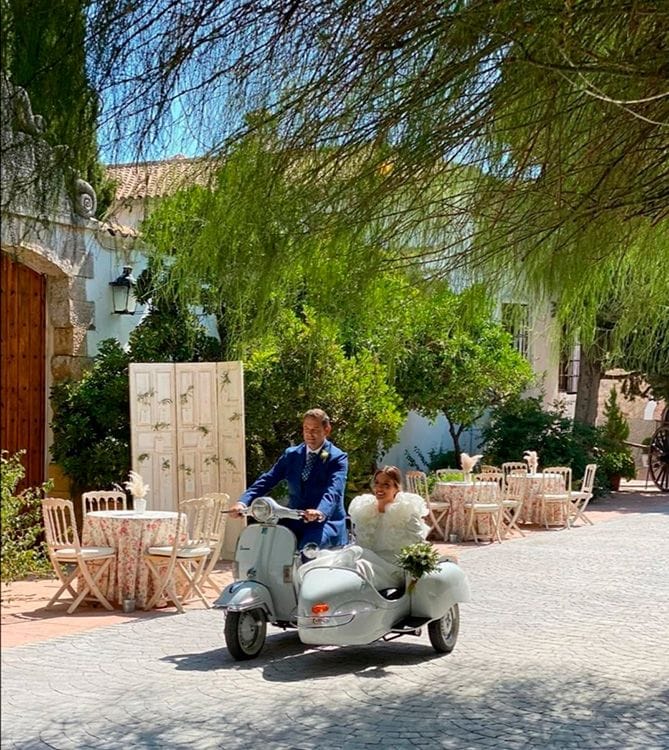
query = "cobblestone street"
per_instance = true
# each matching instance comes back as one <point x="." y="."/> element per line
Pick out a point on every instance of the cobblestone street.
<point x="565" y="645"/>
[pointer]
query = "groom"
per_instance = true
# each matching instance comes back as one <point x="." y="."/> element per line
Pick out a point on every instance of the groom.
<point x="316" y="473"/>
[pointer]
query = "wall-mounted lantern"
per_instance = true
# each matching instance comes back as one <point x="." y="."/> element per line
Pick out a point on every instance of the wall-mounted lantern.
<point x="123" y="291"/>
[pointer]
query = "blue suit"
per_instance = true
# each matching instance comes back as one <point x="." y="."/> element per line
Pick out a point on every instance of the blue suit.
<point x="322" y="490"/>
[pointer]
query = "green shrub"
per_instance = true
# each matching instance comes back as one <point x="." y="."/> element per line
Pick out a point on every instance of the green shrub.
<point x="523" y="424"/>
<point x="23" y="552"/>
<point x="91" y="421"/>
<point x="305" y="366"/>
<point x="615" y="459"/>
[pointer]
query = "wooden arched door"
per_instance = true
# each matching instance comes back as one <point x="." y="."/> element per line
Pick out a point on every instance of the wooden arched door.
<point x="22" y="371"/>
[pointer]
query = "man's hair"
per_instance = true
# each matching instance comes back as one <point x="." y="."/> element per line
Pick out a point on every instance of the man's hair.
<point x="318" y="414"/>
<point x="392" y="471"/>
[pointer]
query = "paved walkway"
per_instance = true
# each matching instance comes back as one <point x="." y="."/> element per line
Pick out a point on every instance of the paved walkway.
<point x="566" y="645"/>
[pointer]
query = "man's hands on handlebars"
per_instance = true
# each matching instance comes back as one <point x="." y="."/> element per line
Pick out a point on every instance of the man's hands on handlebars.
<point x="238" y="510"/>
<point x="311" y="514"/>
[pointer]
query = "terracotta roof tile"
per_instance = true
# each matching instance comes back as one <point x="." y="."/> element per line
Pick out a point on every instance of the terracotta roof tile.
<point x="153" y="179"/>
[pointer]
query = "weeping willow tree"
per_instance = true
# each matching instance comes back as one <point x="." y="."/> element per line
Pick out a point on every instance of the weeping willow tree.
<point x="519" y="143"/>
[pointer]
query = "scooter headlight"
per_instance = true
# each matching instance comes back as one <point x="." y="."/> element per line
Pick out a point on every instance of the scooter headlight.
<point x="261" y="510"/>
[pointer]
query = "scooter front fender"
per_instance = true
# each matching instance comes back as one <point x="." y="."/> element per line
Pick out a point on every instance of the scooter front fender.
<point x="241" y="596"/>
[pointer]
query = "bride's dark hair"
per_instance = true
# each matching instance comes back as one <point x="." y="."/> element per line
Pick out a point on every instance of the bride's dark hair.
<point x="392" y="471"/>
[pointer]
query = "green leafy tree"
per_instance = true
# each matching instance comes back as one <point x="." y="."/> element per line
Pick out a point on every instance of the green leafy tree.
<point x="304" y="365"/>
<point x="526" y="147"/>
<point x="458" y="362"/>
<point x="615" y="428"/>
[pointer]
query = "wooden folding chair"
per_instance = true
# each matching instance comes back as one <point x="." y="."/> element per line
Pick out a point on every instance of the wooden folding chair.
<point x="88" y="564"/>
<point x="216" y="537"/>
<point x="438" y="515"/>
<point x="487" y="500"/>
<point x="103" y="500"/>
<point x="186" y="559"/>
<point x="512" y="500"/>
<point x="513" y="466"/>
<point x="556" y="491"/>
<point x="580" y="498"/>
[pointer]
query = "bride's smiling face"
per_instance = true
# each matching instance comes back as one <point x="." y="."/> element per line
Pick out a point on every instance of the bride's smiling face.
<point x="385" y="488"/>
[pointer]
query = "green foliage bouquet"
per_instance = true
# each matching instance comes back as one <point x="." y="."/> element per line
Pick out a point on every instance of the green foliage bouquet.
<point x="418" y="560"/>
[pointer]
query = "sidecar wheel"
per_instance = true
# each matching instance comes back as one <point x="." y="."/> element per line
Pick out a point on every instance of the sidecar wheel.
<point x="444" y="632"/>
<point x="245" y="633"/>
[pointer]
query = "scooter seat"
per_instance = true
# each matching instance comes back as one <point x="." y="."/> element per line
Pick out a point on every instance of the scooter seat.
<point x="392" y="594"/>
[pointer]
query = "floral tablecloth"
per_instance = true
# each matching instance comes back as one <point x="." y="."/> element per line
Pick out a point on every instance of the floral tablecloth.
<point x="131" y="534"/>
<point x="532" y="485"/>
<point x="457" y="494"/>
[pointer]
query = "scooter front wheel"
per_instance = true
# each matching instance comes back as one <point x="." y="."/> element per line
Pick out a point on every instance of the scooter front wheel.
<point x="245" y="633"/>
<point x="443" y="633"/>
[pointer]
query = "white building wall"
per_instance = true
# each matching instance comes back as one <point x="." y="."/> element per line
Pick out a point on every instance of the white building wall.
<point x="108" y="261"/>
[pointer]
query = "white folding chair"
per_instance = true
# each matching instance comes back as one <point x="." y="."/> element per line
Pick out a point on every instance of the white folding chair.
<point x="556" y="491"/>
<point x="438" y="510"/>
<point x="88" y="564"/>
<point x="487" y="500"/>
<point x="186" y="559"/>
<point x="513" y="466"/>
<point x="103" y="500"/>
<point x="512" y="500"/>
<point x="216" y="537"/>
<point x="580" y="498"/>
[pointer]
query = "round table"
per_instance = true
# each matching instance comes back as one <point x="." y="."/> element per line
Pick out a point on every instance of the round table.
<point x="130" y="533"/>
<point x="457" y="494"/>
<point x="532" y="485"/>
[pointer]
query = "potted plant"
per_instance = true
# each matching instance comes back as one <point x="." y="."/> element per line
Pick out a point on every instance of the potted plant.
<point x="615" y="460"/>
<point x="616" y="465"/>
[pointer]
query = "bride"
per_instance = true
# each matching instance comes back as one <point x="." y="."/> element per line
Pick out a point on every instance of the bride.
<point x="383" y="523"/>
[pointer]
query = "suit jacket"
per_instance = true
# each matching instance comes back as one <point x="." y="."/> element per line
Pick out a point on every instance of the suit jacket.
<point x="323" y="490"/>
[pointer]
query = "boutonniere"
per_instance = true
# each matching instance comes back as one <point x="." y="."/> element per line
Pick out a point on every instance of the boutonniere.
<point x="324" y="455"/>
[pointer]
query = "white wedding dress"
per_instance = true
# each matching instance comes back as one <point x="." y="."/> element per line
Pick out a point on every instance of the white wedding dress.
<point x="379" y="537"/>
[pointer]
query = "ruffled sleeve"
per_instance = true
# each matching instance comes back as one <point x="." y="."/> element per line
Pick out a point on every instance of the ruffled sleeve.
<point x="404" y="524"/>
<point x="365" y="517"/>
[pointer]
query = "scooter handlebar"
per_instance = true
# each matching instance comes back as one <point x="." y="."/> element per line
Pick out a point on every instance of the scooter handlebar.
<point x="266" y="510"/>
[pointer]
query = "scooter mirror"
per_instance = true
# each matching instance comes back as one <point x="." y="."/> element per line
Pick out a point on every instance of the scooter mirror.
<point x="310" y="550"/>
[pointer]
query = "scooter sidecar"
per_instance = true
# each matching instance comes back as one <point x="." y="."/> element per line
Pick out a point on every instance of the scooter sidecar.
<point x="338" y="606"/>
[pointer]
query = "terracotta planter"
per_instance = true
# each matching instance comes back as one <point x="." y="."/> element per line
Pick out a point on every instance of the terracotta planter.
<point x="614" y="479"/>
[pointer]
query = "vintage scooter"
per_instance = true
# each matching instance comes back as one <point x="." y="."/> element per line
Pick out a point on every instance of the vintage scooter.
<point x="329" y="604"/>
<point x="265" y="585"/>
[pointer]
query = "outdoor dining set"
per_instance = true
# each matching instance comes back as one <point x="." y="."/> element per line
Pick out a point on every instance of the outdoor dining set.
<point x="134" y="557"/>
<point x="498" y="501"/>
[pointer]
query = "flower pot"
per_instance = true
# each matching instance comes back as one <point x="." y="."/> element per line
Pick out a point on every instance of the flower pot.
<point x="614" y="480"/>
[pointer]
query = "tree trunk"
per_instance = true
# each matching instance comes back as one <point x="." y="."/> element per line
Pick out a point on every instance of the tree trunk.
<point x="587" y="394"/>
<point x="455" y="436"/>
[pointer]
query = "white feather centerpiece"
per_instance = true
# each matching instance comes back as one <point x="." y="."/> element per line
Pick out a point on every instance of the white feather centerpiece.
<point x="467" y="463"/>
<point x="532" y="460"/>
<point x="138" y="489"/>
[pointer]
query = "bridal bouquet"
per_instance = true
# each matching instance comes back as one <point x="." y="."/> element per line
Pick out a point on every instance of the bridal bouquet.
<point x="417" y="560"/>
<point x="135" y="485"/>
<point x="532" y="461"/>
